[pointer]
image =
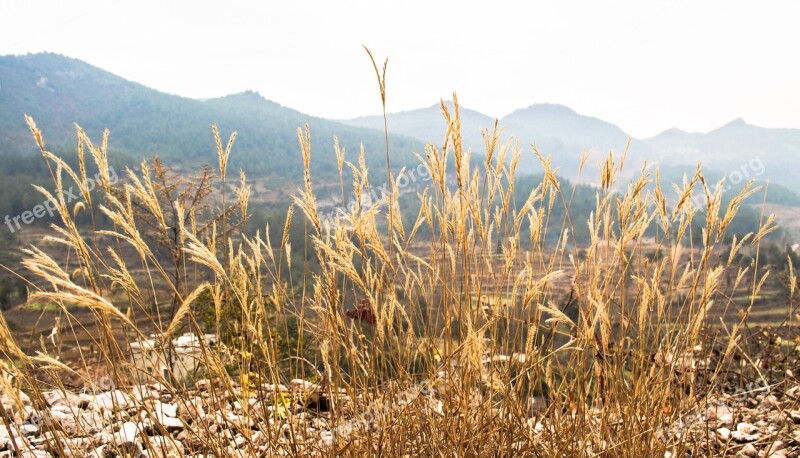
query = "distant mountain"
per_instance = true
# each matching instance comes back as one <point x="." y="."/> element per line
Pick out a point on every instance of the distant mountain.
<point x="555" y="129"/>
<point x="428" y="125"/>
<point x="737" y="149"/>
<point x="557" y="124"/>
<point x="564" y="134"/>
<point x="58" y="91"/>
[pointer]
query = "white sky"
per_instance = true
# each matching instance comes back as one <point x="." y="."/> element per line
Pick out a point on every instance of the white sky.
<point x="643" y="65"/>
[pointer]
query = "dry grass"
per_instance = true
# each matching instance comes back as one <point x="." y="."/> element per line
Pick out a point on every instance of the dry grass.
<point x="466" y="343"/>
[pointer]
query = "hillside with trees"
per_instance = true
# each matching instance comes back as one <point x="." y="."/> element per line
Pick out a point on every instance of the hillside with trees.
<point x="59" y="92"/>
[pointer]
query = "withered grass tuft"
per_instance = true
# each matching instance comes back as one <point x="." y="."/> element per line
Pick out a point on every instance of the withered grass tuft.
<point x="523" y="349"/>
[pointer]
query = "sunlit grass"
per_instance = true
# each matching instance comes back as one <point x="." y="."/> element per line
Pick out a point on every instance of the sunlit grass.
<point x="528" y="349"/>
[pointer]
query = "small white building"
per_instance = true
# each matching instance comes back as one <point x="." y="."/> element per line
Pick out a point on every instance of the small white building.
<point x="185" y="356"/>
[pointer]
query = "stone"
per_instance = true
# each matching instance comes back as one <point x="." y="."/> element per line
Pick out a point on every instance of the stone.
<point x="746" y="428"/>
<point x="274" y="388"/>
<point x="164" y="446"/>
<point x="98" y="452"/>
<point x="303" y="385"/>
<point x="171" y="424"/>
<point x="110" y="400"/>
<point x="191" y="409"/>
<point x="125" y="449"/>
<point x="327" y="438"/>
<point x="8" y="443"/>
<point x="35" y="454"/>
<point x="716" y="411"/>
<point x="726" y="419"/>
<point x="128" y="432"/>
<point x="67" y="421"/>
<point x="74" y="423"/>
<point x="166" y="409"/>
<point x="774" y="448"/>
<point x="739" y="436"/>
<point x="28" y="429"/>
<point x="239" y="441"/>
<point x="64" y="398"/>
<point x="102" y="438"/>
<point x="724" y="433"/>
<point x="18" y="405"/>
<point x="749" y="450"/>
<point x="144" y="393"/>
<point x="770" y="402"/>
<point x="74" y="447"/>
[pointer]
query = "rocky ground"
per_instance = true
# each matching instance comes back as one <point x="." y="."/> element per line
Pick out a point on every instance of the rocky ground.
<point x="758" y="423"/>
<point x="751" y="410"/>
<point x="147" y="421"/>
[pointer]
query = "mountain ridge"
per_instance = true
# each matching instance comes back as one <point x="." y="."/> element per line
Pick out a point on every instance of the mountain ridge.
<point x="145" y="122"/>
<point x="564" y="133"/>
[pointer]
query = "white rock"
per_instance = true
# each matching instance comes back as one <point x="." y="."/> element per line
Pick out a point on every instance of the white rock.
<point x="716" y="411"/>
<point x="436" y="405"/>
<point x="746" y="428"/>
<point x="164" y="446"/>
<point x="191" y="409"/>
<point x="126" y="449"/>
<point x="749" y="450"/>
<point x="75" y="447"/>
<point x="274" y="388"/>
<point x="17" y="404"/>
<point x="770" y="402"/>
<point x="35" y="454"/>
<point x="67" y="421"/>
<point x="65" y="409"/>
<point x="166" y="409"/>
<point x="776" y="450"/>
<point x="171" y="424"/>
<point x="739" y="436"/>
<point x="128" y="432"/>
<point x="327" y="438"/>
<point x="724" y="433"/>
<point x="110" y="400"/>
<point x="8" y="443"/>
<point x="103" y="438"/>
<point x="303" y="385"/>
<point x="726" y="419"/>
<point x="239" y="441"/>
<point x="64" y="398"/>
<point x="144" y="393"/>
<point x="28" y="429"/>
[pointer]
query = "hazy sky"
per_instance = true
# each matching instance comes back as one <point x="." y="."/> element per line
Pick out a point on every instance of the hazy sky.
<point x="643" y="65"/>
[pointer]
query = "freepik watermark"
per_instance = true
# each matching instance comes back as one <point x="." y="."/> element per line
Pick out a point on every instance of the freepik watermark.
<point x="376" y="193"/>
<point x="48" y="207"/>
<point x="378" y="411"/>
<point x="747" y="170"/>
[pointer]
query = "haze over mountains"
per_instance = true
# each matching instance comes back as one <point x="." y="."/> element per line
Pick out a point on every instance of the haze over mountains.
<point x="563" y="133"/>
<point x="58" y="91"/>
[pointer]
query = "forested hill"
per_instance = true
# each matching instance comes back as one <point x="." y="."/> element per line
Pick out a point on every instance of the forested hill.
<point x="58" y="91"/>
